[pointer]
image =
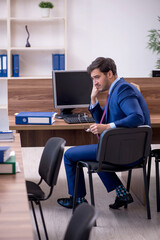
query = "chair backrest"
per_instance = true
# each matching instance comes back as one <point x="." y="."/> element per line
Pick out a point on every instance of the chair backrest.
<point x="123" y="146"/>
<point x="81" y="223"/>
<point x="51" y="160"/>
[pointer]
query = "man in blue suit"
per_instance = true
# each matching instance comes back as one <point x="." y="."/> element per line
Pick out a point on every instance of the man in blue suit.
<point x="125" y="107"/>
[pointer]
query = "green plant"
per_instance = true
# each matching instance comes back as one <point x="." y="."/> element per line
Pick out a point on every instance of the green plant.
<point x="46" y="5"/>
<point x="154" y="43"/>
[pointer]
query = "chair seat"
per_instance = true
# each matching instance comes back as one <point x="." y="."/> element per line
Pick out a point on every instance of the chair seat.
<point x="108" y="167"/>
<point x="34" y="191"/>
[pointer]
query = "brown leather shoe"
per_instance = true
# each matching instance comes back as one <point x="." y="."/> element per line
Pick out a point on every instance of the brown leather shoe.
<point x="121" y="201"/>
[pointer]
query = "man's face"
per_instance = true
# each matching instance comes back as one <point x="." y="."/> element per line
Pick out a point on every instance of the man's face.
<point x="100" y="80"/>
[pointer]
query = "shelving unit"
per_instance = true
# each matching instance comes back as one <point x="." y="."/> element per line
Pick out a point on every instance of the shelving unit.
<point x="47" y="36"/>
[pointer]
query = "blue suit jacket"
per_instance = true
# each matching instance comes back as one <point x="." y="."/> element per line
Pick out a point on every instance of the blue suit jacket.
<point x="126" y="107"/>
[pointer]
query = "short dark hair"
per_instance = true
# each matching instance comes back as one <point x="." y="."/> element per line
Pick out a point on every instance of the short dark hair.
<point x="104" y="65"/>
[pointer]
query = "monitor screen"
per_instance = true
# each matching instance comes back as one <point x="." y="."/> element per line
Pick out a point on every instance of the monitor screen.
<point x="71" y="89"/>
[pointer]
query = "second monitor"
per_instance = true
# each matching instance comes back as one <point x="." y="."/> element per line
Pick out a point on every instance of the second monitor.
<point x="71" y="89"/>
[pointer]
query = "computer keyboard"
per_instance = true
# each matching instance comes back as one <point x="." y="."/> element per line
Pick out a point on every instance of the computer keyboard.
<point x="79" y="119"/>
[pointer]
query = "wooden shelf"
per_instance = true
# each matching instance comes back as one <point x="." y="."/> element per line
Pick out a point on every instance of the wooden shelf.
<point x="53" y="19"/>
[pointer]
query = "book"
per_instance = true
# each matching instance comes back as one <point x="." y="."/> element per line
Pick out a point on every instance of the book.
<point x="45" y="118"/>
<point x="4" y="65"/>
<point x="4" y="153"/>
<point x="8" y="135"/>
<point x="15" y="65"/>
<point x="1" y="75"/>
<point x="9" y="167"/>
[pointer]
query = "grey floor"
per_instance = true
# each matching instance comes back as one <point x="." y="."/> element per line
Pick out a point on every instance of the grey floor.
<point x="130" y="223"/>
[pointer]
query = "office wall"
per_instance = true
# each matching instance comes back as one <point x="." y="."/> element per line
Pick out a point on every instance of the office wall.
<point x="116" y="29"/>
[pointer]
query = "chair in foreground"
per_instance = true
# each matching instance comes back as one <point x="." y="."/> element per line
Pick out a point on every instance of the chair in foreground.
<point x="119" y="150"/>
<point x="156" y="154"/>
<point x="48" y="170"/>
<point x="81" y="223"/>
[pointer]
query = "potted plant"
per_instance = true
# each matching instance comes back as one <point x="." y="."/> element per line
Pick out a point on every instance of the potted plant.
<point x="45" y="8"/>
<point x="154" y="43"/>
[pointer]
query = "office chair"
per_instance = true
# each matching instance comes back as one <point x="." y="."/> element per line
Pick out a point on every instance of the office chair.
<point x="48" y="170"/>
<point x="81" y="223"/>
<point x="118" y="151"/>
<point x="156" y="154"/>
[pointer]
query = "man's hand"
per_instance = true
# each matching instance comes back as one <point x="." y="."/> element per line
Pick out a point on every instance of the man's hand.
<point x="99" y="128"/>
<point x="94" y="94"/>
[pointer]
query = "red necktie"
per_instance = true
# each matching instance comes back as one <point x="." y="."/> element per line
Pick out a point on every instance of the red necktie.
<point x="104" y="113"/>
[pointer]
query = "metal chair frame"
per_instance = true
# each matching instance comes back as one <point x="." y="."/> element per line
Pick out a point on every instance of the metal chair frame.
<point x="108" y="161"/>
<point x="48" y="170"/>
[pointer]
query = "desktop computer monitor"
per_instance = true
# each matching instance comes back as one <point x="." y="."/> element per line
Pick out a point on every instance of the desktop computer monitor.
<point x="71" y="89"/>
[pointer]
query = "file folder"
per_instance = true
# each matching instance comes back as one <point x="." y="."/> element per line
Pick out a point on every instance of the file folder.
<point x="34" y="118"/>
<point x="61" y="62"/>
<point x="4" y="65"/>
<point x="55" y="61"/>
<point x="15" y="64"/>
<point x="1" y="66"/>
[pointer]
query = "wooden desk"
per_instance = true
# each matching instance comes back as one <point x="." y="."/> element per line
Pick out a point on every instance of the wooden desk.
<point x="74" y="134"/>
<point x="37" y="135"/>
<point x="15" y="220"/>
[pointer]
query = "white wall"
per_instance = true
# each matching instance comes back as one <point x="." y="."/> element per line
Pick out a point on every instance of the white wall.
<point x="112" y="28"/>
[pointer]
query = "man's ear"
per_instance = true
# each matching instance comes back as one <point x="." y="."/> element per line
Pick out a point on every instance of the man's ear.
<point x="110" y="74"/>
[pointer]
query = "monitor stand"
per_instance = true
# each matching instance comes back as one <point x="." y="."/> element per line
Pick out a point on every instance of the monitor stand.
<point x="64" y="113"/>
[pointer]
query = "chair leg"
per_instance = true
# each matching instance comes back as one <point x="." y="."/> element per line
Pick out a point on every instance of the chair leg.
<point x="129" y="180"/>
<point x="42" y="217"/>
<point x="149" y="170"/>
<point x="35" y="220"/>
<point x="91" y="191"/>
<point x="91" y="188"/>
<point x="128" y="183"/>
<point x="76" y="187"/>
<point x="146" y="193"/>
<point x="157" y="184"/>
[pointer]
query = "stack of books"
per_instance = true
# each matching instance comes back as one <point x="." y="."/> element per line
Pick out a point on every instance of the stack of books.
<point x="7" y="160"/>
<point x="33" y="118"/>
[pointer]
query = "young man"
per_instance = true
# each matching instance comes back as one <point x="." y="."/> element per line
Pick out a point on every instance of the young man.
<point x="125" y="107"/>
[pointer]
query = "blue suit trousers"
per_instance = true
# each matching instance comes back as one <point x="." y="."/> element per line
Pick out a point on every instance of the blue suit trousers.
<point x="85" y="153"/>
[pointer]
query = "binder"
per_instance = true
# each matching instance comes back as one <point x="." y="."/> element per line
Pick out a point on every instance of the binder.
<point x="1" y="66"/>
<point x="61" y="62"/>
<point x="33" y="118"/>
<point x="4" y="65"/>
<point x="9" y="167"/>
<point x="15" y="65"/>
<point x="55" y="61"/>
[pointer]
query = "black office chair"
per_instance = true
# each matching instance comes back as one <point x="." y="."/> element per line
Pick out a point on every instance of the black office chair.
<point x="156" y="154"/>
<point x="81" y="223"/>
<point x="48" y="170"/>
<point x="118" y="150"/>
